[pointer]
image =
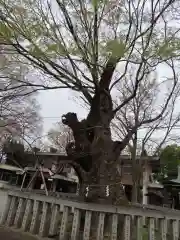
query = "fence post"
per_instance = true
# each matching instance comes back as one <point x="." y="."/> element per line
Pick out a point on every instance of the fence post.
<point x="54" y="220"/>
<point x="35" y="217"/>
<point x="27" y="215"/>
<point x="6" y="210"/>
<point x="76" y="224"/>
<point x="127" y="228"/>
<point x="87" y="225"/>
<point x="100" y="230"/>
<point x="12" y="212"/>
<point x="20" y="212"/>
<point x="64" y="223"/>
<point x="114" y="227"/>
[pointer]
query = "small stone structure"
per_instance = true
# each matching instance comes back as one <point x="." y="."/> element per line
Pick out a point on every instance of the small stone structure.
<point x="68" y="219"/>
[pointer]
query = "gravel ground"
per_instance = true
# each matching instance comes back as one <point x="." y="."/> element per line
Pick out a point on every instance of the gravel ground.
<point x="9" y="234"/>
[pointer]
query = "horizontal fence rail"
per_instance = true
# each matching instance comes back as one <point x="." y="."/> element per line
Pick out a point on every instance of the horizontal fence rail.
<point x="63" y="219"/>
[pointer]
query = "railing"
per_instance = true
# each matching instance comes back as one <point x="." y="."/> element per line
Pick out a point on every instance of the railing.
<point x="48" y="216"/>
<point x="62" y="195"/>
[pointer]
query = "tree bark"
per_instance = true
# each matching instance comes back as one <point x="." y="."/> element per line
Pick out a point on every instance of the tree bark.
<point x="94" y="151"/>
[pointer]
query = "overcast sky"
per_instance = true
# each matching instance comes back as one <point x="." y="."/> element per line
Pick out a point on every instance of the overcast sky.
<point x="55" y="103"/>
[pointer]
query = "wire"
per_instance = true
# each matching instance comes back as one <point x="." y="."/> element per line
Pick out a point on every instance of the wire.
<point x="102" y="185"/>
<point x="144" y="127"/>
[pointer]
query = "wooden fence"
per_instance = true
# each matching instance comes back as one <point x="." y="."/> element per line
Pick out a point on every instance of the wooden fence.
<point x="63" y="219"/>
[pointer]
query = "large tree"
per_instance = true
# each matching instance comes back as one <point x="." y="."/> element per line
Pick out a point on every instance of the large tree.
<point x="89" y="46"/>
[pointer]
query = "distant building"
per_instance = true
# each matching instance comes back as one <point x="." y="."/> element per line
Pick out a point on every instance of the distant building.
<point x="62" y="177"/>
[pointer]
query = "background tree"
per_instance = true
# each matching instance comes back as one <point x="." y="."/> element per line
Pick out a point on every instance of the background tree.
<point x="151" y="136"/>
<point x="170" y="159"/>
<point x="19" y="109"/>
<point x="59" y="136"/>
<point x="89" y="47"/>
<point x="20" y="118"/>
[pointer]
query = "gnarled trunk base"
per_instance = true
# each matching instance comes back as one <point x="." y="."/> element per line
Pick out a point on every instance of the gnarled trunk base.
<point x="93" y="153"/>
<point x="100" y="178"/>
<point x="104" y="187"/>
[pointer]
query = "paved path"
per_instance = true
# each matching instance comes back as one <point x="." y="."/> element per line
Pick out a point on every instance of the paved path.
<point x="9" y="234"/>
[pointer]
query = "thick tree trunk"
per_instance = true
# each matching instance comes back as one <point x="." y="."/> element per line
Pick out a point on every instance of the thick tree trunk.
<point x="100" y="180"/>
<point x="107" y="187"/>
<point x="95" y="152"/>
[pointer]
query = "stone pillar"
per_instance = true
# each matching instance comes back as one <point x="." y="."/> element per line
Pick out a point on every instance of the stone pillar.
<point x="64" y="223"/>
<point x="145" y="185"/>
<point x="27" y="215"/>
<point x="100" y="228"/>
<point x="54" y="185"/>
<point x="114" y="226"/>
<point x="35" y="217"/>
<point x="17" y="179"/>
<point x="19" y="213"/>
<point x="12" y="212"/>
<point x="139" y="224"/>
<point x="151" y="229"/>
<point x="87" y="225"/>
<point x="127" y="228"/>
<point x="44" y="218"/>
<point x="76" y="225"/>
<point x="6" y="210"/>
<point x="54" y="220"/>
